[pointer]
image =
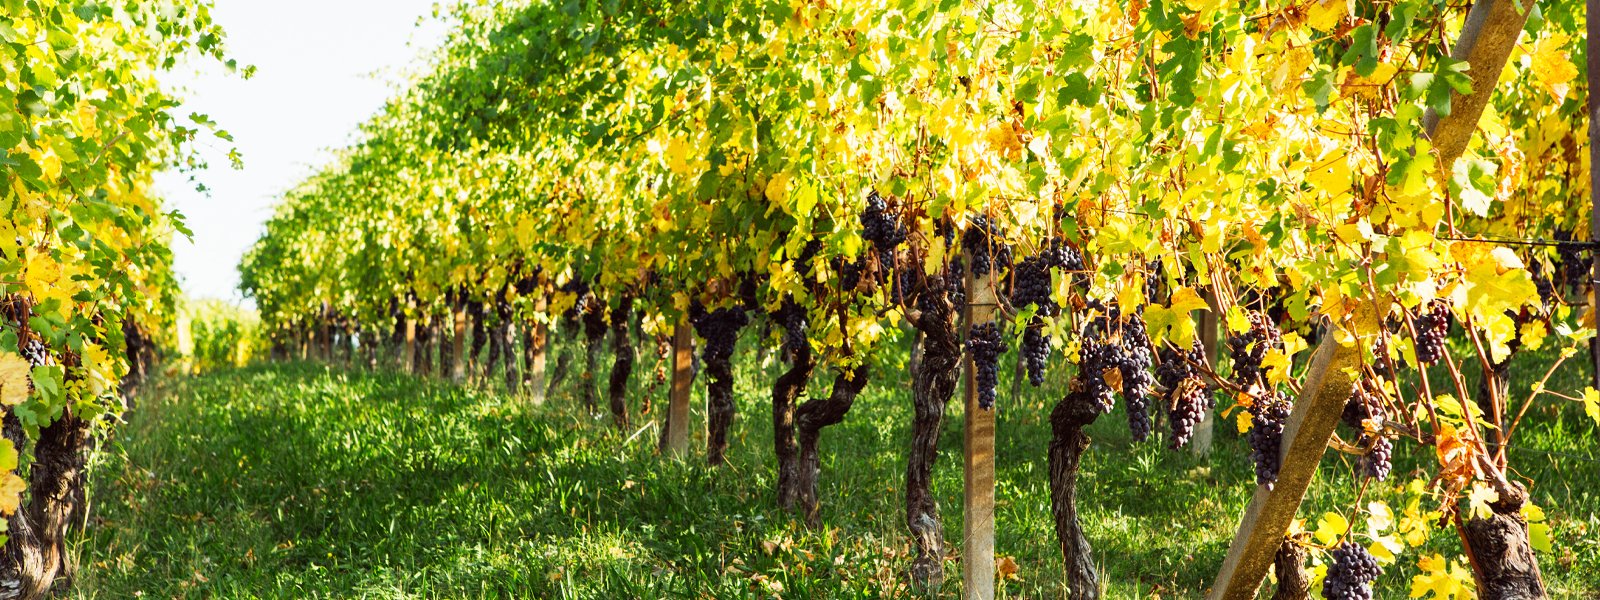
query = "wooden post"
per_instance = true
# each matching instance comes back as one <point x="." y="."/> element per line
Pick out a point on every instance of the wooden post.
<point x="1593" y="44"/>
<point x="682" y="384"/>
<point x="977" y="560"/>
<point x="458" y="347"/>
<point x="1322" y="398"/>
<point x="538" y="338"/>
<point x="1210" y="336"/>
<point x="408" y="354"/>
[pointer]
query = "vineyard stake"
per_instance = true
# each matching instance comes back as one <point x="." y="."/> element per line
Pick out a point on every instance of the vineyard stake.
<point x="1210" y="335"/>
<point x="1592" y="13"/>
<point x="682" y="382"/>
<point x="977" y="563"/>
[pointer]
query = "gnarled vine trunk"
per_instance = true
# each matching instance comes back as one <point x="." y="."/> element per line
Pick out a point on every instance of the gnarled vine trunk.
<point x="622" y="366"/>
<point x="475" y="313"/>
<point x="811" y="418"/>
<point x="1067" y="444"/>
<point x="35" y="556"/>
<point x="594" y="333"/>
<point x="1294" y="583"/>
<point x="937" y="360"/>
<point x="508" y="347"/>
<point x="785" y="392"/>
<point x="1507" y="567"/>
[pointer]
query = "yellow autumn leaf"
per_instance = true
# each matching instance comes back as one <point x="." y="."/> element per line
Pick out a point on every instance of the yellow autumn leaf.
<point x="1591" y="404"/>
<point x="8" y="455"/>
<point x="1243" y="421"/>
<point x="1323" y="15"/>
<point x="42" y="273"/>
<point x="13" y="379"/>
<point x="1479" y="499"/>
<point x="11" y="488"/>
<point x="1330" y="528"/>
<point x="1551" y="67"/>
<point x="1441" y="580"/>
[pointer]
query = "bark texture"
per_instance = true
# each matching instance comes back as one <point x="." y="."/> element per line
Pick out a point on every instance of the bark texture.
<point x="622" y="366"/>
<point x="811" y="418"/>
<point x="34" y="559"/>
<point x="937" y="370"/>
<point x="1294" y="583"/>
<point x="594" y="333"/>
<point x="1067" y="445"/>
<point x="785" y="394"/>
<point x="1508" y="568"/>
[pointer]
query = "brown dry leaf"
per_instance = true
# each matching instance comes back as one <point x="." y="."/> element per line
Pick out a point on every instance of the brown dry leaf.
<point x="1006" y="568"/>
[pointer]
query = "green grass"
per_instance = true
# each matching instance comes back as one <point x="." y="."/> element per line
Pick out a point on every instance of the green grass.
<point x="299" y="481"/>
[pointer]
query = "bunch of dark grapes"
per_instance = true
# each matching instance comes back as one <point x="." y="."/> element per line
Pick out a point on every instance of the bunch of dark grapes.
<point x="1035" y="351"/>
<point x="1031" y="285"/>
<point x="984" y="245"/>
<point x="1095" y="357"/>
<point x="1266" y="435"/>
<point x="1351" y="575"/>
<point x="1190" y="403"/>
<point x="1250" y="348"/>
<point x="882" y="230"/>
<point x="750" y="290"/>
<point x="1379" y="460"/>
<point x="720" y="328"/>
<point x="849" y="273"/>
<point x="792" y="317"/>
<point x="35" y="351"/>
<point x="1363" y="404"/>
<point x="1177" y="365"/>
<point x="1573" y="267"/>
<point x="808" y="253"/>
<point x="1134" y="363"/>
<point x="1432" y="327"/>
<point x="580" y="289"/>
<point x="986" y="345"/>
<point x="1542" y="282"/>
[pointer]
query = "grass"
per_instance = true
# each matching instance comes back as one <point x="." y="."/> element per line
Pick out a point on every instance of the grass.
<point x="301" y="481"/>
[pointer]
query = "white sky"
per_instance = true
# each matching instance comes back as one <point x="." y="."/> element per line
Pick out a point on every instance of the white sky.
<point x="322" y="68"/>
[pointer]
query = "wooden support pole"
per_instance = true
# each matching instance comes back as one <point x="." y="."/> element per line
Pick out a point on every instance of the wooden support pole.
<point x="408" y="354"/>
<point x="677" y="438"/>
<point x="1210" y="337"/>
<point x="977" y="561"/>
<point x="537" y="342"/>
<point x="1593" y="44"/>
<point x="458" y="346"/>
<point x="1305" y="435"/>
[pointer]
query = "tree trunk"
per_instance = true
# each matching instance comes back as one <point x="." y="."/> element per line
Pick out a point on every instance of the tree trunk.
<point x="812" y="417"/>
<point x="1508" y="569"/>
<point x="594" y="333"/>
<point x="422" y="358"/>
<point x="622" y="365"/>
<point x="475" y="313"/>
<point x="559" y="373"/>
<point x="1294" y="583"/>
<point x="719" y="410"/>
<point x="458" y="340"/>
<point x="784" y="395"/>
<point x="535" y="345"/>
<point x="35" y="556"/>
<point x="508" y="340"/>
<point x="938" y="370"/>
<point x="496" y="342"/>
<point x="1067" y="445"/>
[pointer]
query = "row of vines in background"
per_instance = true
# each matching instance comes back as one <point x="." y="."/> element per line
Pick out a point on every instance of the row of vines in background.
<point x="87" y="292"/>
<point x="1099" y="174"/>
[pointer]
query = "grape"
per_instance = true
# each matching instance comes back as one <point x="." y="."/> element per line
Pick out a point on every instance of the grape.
<point x="1095" y="357"/>
<point x="983" y="243"/>
<point x="849" y="273"/>
<point x="1031" y="280"/>
<point x="1573" y="267"/>
<point x="1190" y="403"/>
<point x="1432" y="327"/>
<point x="1177" y="366"/>
<point x="882" y="230"/>
<point x="792" y="317"/>
<point x="1035" y="351"/>
<point x="1137" y="381"/>
<point x="1380" y="460"/>
<point x="1266" y="435"/>
<point x="37" y="354"/>
<point x="1351" y="575"/>
<point x="749" y="290"/>
<point x="986" y="345"/>
<point x="1250" y="348"/>
<point x="1363" y="404"/>
<point x="720" y="329"/>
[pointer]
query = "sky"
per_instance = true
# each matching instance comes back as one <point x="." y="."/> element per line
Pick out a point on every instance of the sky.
<point x="322" y="68"/>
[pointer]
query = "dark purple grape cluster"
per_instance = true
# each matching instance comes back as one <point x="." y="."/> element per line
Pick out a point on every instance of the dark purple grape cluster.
<point x="1352" y="573"/>
<point x="1432" y="328"/>
<point x="1573" y="263"/>
<point x="1250" y="348"/>
<point x="1177" y="365"/>
<point x="1267" y="418"/>
<point x="750" y="290"/>
<point x="1379" y="461"/>
<point x="984" y="245"/>
<point x="36" y="352"/>
<point x="849" y="273"/>
<point x="720" y="329"/>
<point x="1035" y="351"/>
<point x="1190" y="403"/>
<point x="1363" y="404"/>
<point x="1138" y="382"/>
<point x="1095" y="357"/>
<point x="986" y="345"/>
<point x="792" y="318"/>
<point x="580" y="306"/>
<point x="881" y="229"/>
<point x="1031" y="285"/>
